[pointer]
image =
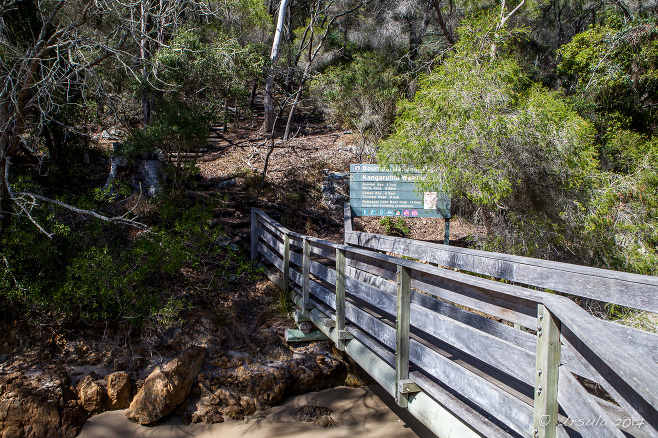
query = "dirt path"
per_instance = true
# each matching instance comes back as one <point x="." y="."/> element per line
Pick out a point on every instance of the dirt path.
<point x="296" y="173"/>
<point x="358" y="412"/>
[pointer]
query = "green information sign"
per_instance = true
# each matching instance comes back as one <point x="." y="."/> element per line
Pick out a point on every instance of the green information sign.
<point x="375" y="192"/>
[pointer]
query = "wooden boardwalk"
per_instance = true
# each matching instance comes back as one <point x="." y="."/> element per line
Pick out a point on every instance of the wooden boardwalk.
<point x="469" y="356"/>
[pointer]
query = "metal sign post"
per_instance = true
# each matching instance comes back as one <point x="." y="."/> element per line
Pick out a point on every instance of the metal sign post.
<point x="378" y="192"/>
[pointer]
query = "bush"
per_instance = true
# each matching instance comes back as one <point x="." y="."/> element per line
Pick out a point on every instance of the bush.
<point x="516" y="151"/>
<point x="361" y="94"/>
<point x="94" y="272"/>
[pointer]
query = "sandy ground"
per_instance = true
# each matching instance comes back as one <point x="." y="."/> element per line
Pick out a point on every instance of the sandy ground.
<point x="358" y="412"/>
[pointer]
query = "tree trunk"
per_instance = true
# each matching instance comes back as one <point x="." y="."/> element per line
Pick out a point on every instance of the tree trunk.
<point x="268" y="124"/>
<point x="5" y="200"/>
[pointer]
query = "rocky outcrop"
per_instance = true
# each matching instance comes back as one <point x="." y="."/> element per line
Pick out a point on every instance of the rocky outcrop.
<point x="240" y="391"/>
<point x="91" y="394"/>
<point x="166" y="387"/>
<point x="39" y="403"/>
<point x="118" y="390"/>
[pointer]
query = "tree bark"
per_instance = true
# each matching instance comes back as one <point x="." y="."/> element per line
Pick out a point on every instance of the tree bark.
<point x="5" y="199"/>
<point x="268" y="124"/>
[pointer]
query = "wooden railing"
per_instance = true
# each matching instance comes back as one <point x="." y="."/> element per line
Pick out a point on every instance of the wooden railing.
<point x="444" y="343"/>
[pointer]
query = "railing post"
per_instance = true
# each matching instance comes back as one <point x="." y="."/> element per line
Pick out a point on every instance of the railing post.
<point x="546" y="375"/>
<point x="306" y="278"/>
<point x="347" y="220"/>
<point x="340" y="298"/>
<point x="402" y="334"/>
<point x="286" y="263"/>
<point x="254" y="235"/>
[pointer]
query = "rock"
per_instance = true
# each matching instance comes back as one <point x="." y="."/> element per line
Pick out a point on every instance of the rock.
<point x="39" y="403"/>
<point x="334" y="189"/>
<point x="319" y="415"/>
<point x="92" y="394"/>
<point x="257" y="386"/>
<point x="248" y="405"/>
<point x="118" y="390"/>
<point x="166" y="387"/>
<point x="234" y="412"/>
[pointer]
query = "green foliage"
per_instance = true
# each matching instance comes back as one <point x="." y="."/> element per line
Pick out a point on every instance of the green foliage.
<point x="361" y="94"/>
<point x="177" y="127"/>
<point x="95" y="272"/>
<point x="479" y="128"/>
<point x="612" y="72"/>
<point x="206" y="66"/>
<point x="622" y="219"/>
<point x="396" y="225"/>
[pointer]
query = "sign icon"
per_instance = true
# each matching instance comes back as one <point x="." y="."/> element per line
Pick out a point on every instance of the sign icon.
<point x="397" y="212"/>
<point x="414" y="212"/>
<point x="406" y="213"/>
<point x="381" y="212"/>
<point x="373" y="212"/>
<point x="365" y="212"/>
<point x="357" y="167"/>
<point x="390" y="212"/>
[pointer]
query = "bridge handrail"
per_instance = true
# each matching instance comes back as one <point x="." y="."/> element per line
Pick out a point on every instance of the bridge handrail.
<point x="620" y="359"/>
<point x="616" y="287"/>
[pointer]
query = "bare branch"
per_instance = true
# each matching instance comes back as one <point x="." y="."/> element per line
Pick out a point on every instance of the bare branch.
<point x="116" y="219"/>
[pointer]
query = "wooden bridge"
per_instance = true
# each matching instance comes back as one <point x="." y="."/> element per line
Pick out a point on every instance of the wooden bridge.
<point x="467" y="355"/>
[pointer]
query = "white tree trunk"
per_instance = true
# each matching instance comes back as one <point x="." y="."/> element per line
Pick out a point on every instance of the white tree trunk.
<point x="274" y="57"/>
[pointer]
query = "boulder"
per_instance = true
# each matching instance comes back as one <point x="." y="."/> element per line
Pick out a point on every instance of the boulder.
<point x="91" y="394"/>
<point x="166" y="387"/>
<point x="39" y="403"/>
<point x="118" y="390"/>
<point x="256" y="386"/>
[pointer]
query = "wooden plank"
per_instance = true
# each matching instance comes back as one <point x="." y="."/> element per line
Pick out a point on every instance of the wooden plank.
<point x="286" y="263"/>
<point x="273" y="227"/>
<point x="347" y="218"/>
<point x="340" y="296"/>
<point x="630" y="381"/>
<point x="511" y="411"/>
<point x="519" y="339"/>
<point x="323" y="294"/>
<point x="323" y="250"/>
<point x="380" y="350"/>
<point x="379" y="283"/>
<point x="254" y="235"/>
<point x="296" y="335"/>
<point x="306" y="273"/>
<point x="545" y="419"/>
<point x="383" y="301"/>
<point x="373" y="264"/>
<point x="508" y="307"/>
<point x="371" y="324"/>
<point x="271" y="240"/>
<point x="271" y="256"/>
<point x="630" y="290"/>
<point x="474" y="418"/>
<point x="619" y="418"/>
<point x="402" y="325"/>
<point x="273" y="275"/>
<point x="323" y="272"/>
<point x="437" y="418"/>
<point x="580" y="405"/>
<point x="498" y="353"/>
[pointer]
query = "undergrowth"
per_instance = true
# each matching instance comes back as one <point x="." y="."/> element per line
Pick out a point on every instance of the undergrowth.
<point x="96" y="273"/>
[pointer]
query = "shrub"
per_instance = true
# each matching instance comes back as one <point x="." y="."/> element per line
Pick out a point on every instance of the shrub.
<point x="98" y="273"/>
<point x="361" y="94"/>
<point x="516" y="151"/>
